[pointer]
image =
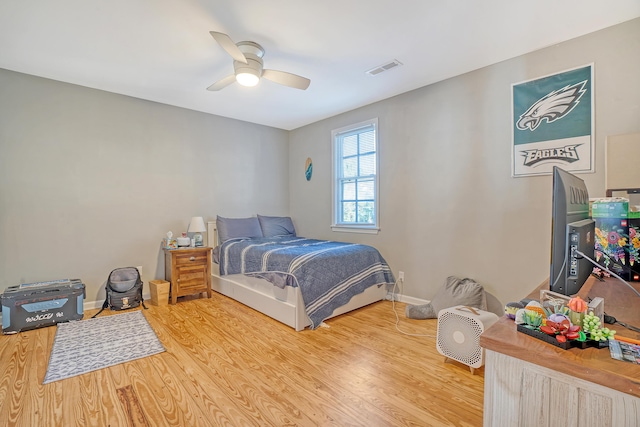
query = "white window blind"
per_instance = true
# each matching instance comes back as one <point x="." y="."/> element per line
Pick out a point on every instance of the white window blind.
<point x="355" y="150"/>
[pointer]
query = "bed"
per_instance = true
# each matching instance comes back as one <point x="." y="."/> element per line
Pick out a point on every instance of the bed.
<point x="254" y="270"/>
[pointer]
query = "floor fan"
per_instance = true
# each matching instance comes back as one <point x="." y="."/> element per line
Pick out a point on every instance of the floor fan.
<point x="458" y="334"/>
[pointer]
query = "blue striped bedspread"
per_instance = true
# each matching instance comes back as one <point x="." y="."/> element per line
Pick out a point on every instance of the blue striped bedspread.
<point x="328" y="273"/>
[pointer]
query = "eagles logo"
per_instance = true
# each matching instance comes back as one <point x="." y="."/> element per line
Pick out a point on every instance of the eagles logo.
<point x="568" y="154"/>
<point x="552" y="106"/>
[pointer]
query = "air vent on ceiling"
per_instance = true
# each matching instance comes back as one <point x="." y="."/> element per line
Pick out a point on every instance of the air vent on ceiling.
<point x="385" y="67"/>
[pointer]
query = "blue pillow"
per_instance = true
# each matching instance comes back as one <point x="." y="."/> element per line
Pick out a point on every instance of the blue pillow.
<point x="276" y="226"/>
<point x="233" y="228"/>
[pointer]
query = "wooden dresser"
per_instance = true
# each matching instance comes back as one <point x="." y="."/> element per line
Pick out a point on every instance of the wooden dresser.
<point x="532" y="383"/>
<point x="188" y="270"/>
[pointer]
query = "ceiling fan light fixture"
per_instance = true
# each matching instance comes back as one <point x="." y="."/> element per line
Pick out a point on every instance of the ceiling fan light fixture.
<point x="247" y="66"/>
<point x="248" y="74"/>
<point x="247" y="78"/>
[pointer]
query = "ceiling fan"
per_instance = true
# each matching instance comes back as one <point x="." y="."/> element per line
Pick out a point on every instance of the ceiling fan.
<point x="247" y="65"/>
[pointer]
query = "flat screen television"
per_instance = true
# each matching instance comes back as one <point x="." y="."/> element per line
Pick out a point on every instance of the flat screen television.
<point x="571" y="229"/>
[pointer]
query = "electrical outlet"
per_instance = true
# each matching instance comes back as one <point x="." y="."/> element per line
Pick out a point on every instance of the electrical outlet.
<point x="139" y="270"/>
<point x="401" y="276"/>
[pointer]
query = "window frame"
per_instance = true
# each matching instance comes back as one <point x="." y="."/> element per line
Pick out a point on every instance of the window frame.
<point x="336" y="174"/>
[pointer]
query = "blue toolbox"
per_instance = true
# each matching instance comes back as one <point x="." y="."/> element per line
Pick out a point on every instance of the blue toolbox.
<point x="35" y="305"/>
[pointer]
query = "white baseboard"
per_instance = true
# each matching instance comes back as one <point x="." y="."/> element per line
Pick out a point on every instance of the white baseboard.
<point x="90" y="305"/>
<point x="407" y="299"/>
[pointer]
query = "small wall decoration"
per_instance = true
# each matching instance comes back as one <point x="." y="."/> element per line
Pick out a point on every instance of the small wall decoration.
<point x="553" y="123"/>
<point x="308" y="169"/>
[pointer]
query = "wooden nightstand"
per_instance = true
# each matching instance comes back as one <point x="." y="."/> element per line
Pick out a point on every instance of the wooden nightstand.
<point x="188" y="270"/>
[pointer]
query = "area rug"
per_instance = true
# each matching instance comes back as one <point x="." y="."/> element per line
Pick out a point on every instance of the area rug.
<point x="88" y="345"/>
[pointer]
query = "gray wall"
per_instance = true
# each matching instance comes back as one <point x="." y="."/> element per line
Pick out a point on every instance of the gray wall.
<point x="91" y="181"/>
<point x="448" y="203"/>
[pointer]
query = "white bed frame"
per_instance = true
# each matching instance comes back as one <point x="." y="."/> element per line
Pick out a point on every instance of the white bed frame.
<point x="284" y="305"/>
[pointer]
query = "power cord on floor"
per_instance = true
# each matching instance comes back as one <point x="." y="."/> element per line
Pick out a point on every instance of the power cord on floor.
<point x="393" y="306"/>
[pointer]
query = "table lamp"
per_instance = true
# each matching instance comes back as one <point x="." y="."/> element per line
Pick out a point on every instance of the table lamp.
<point x="197" y="226"/>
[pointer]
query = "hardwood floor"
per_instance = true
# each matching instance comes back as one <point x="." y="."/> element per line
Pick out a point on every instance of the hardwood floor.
<point x="228" y="365"/>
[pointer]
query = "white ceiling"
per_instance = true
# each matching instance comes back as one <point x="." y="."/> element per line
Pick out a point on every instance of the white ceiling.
<point x="161" y="50"/>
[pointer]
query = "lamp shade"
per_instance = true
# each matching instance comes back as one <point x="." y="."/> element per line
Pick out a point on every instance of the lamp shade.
<point x="197" y="225"/>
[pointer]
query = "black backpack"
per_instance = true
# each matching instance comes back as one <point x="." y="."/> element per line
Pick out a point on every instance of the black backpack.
<point x="123" y="289"/>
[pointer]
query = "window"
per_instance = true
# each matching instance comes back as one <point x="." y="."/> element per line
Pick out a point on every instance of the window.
<point x="355" y="189"/>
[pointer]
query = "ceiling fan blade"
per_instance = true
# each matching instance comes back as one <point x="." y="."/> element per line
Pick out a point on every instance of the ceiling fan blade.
<point x="287" y="79"/>
<point x="221" y="84"/>
<point x="227" y="44"/>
